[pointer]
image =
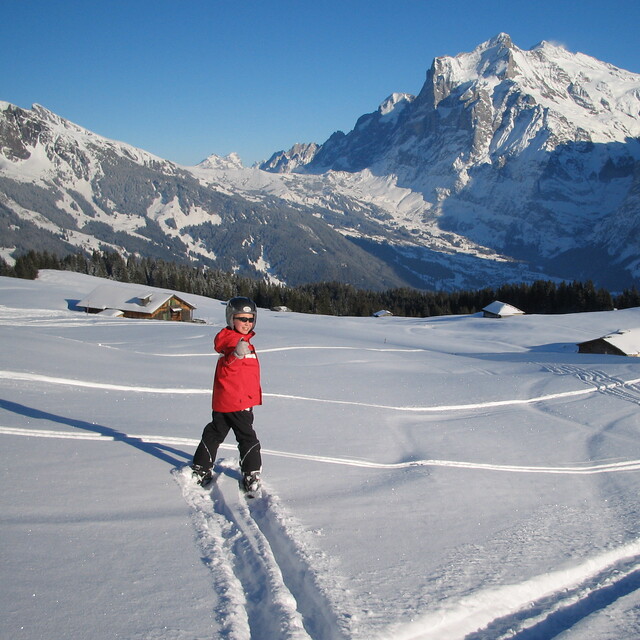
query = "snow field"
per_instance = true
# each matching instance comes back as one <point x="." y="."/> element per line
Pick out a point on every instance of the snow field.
<point x="425" y="478"/>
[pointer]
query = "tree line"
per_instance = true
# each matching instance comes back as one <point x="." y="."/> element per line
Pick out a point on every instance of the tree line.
<point x="328" y="298"/>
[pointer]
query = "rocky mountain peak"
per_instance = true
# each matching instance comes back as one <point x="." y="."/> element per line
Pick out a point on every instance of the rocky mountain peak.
<point x="285" y="161"/>
<point x="394" y="101"/>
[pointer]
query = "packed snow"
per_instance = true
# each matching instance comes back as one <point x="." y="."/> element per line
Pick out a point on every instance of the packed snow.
<point x="424" y="478"/>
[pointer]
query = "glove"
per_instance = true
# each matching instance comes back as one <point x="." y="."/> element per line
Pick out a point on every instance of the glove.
<point x="242" y="349"/>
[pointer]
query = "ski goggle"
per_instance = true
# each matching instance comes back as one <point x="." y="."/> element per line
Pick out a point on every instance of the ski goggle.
<point x="243" y="319"/>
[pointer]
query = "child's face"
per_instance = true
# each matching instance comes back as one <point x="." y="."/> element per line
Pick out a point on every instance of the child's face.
<point x="243" y="323"/>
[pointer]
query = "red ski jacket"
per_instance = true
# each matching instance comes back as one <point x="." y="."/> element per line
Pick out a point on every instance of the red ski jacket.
<point x="236" y="385"/>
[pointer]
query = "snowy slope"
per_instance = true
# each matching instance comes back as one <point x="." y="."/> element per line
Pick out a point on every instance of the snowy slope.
<point x="450" y="477"/>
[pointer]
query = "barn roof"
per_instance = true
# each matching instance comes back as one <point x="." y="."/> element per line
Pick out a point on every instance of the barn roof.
<point x="625" y="340"/>
<point x="501" y="309"/>
<point x="127" y="297"/>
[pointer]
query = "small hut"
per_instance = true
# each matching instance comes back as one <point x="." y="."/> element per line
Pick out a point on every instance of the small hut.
<point x="499" y="309"/>
<point x="136" y="301"/>
<point x="383" y="313"/>
<point x="624" y="342"/>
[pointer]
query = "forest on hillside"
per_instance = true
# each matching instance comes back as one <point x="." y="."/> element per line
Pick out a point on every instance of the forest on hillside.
<point x="328" y="298"/>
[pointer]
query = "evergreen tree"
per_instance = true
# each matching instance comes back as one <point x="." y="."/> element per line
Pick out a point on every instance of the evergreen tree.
<point x="6" y="269"/>
<point x="331" y="298"/>
<point x="26" y="266"/>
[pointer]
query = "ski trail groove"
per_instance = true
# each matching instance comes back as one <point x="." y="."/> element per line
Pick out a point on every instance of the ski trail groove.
<point x="210" y="535"/>
<point x="261" y="599"/>
<point x="317" y="611"/>
<point x="600" y="381"/>
<point x="611" y="386"/>
<point x="591" y="468"/>
<point x="541" y="607"/>
<point x="271" y="607"/>
<point x="562" y="610"/>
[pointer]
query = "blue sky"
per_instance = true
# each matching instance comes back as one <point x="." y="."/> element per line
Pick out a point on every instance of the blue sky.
<point x="184" y="79"/>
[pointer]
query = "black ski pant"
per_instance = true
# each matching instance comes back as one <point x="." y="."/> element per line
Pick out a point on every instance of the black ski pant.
<point x="216" y="431"/>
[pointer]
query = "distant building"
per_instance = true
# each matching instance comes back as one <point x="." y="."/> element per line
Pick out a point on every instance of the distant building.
<point x="137" y="301"/>
<point x="499" y="309"/>
<point x="625" y="342"/>
<point x="382" y="313"/>
<point x="281" y="308"/>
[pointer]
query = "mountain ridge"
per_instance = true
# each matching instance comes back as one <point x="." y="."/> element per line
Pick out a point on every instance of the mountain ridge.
<point x="505" y="125"/>
<point x="509" y="165"/>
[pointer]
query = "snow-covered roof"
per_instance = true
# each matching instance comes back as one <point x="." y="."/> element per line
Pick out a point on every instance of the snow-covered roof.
<point x="381" y="313"/>
<point x="502" y="309"/>
<point x="111" y="313"/>
<point x="625" y="340"/>
<point x="127" y="297"/>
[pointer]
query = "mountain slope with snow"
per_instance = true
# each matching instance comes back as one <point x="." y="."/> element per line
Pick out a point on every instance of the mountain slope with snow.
<point x="531" y="153"/>
<point x="453" y="477"/>
<point x="510" y="165"/>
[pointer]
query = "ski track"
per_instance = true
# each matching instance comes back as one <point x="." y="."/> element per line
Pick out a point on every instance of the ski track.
<point x="598" y="381"/>
<point x="586" y="469"/>
<point x="266" y="586"/>
<point x="269" y="587"/>
<point x="535" y="609"/>
<point x="276" y="349"/>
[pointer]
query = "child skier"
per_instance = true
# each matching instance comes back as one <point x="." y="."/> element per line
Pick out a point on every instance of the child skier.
<point x="236" y="390"/>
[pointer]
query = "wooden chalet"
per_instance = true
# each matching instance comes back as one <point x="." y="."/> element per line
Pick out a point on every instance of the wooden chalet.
<point x="137" y="301"/>
<point x="625" y="342"/>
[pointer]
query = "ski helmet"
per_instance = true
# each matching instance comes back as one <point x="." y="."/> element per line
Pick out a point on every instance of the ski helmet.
<point x="240" y="305"/>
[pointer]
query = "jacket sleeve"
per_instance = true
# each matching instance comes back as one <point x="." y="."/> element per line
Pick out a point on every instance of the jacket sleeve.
<point x="225" y="344"/>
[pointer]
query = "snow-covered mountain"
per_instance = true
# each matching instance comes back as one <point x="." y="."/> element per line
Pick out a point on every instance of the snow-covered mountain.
<point x="534" y="154"/>
<point x="509" y="165"/>
<point x="63" y="187"/>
